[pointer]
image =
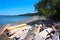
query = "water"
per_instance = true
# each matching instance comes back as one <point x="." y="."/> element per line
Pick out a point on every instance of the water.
<point x="10" y="19"/>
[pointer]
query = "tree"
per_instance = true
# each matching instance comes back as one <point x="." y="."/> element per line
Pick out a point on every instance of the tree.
<point x="56" y="16"/>
<point x="45" y="8"/>
<point x="57" y="6"/>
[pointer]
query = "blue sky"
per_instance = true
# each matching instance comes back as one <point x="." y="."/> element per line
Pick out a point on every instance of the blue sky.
<point x="15" y="7"/>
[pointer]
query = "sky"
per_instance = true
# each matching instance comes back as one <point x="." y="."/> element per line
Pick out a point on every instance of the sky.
<point x="16" y="7"/>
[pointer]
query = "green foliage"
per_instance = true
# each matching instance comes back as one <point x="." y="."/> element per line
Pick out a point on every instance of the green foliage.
<point x="46" y="8"/>
<point x="57" y="5"/>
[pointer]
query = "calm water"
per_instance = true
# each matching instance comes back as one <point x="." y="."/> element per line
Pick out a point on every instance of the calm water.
<point x="9" y="19"/>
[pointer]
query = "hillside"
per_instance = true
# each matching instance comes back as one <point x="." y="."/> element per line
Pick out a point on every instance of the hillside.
<point x="29" y="14"/>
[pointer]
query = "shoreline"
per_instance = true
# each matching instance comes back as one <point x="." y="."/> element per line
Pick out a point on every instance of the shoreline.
<point x="33" y="21"/>
<point x="33" y="18"/>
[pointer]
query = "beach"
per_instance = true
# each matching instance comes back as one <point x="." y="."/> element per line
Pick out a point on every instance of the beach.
<point x="36" y="20"/>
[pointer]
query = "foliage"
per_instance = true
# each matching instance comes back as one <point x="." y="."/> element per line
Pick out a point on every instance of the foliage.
<point x="57" y="6"/>
<point x="46" y="7"/>
<point x="56" y="16"/>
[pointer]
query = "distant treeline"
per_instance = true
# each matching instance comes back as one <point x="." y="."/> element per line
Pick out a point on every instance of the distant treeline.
<point x="26" y="14"/>
<point x="29" y="14"/>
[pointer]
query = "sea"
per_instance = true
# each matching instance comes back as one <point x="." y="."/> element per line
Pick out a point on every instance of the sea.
<point x="10" y="19"/>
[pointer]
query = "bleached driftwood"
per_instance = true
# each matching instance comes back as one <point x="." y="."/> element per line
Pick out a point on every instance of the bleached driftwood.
<point x="21" y="32"/>
<point x="10" y="29"/>
<point x="35" y="30"/>
<point x="56" y="36"/>
<point x="43" y="34"/>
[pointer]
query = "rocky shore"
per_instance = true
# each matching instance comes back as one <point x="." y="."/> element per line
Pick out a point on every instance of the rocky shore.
<point x="33" y="27"/>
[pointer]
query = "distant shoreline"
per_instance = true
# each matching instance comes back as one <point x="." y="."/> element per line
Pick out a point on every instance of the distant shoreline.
<point x="27" y="14"/>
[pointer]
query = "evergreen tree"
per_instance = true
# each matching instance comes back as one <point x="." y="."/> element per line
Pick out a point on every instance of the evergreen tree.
<point x="45" y="8"/>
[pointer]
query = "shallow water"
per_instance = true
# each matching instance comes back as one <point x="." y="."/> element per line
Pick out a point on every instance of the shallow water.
<point x="9" y="19"/>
